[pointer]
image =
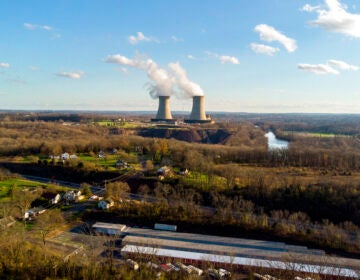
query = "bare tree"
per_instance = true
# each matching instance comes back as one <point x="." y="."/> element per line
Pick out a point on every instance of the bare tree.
<point x="48" y="222"/>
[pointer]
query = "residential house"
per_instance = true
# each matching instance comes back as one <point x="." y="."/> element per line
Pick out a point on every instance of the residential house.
<point x="101" y="154"/>
<point x="184" y="171"/>
<point x="65" y="156"/>
<point x="53" y="198"/>
<point x="94" y="197"/>
<point x="105" y="204"/>
<point x="164" y="171"/>
<point x="73" y="196"/>
<point x="34" y="212"/>
<point x="121" y="164"/>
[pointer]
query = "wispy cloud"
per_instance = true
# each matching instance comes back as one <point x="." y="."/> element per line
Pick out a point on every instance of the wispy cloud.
<point x="318" y="69"/>
<point x="264" y="49"/>
<point x="54" y="32"/>
<point x="229" y="59"/>
<point x="123" y="70"/>
<point x="224" y="59"/>
<point x="33" y="68"/>
<point x="335" y="18"/>
<point x="76" y="75"/>
<point x="140" y="37"/>
<point x="17" y="81"/>
<point x="270" y="34"/>
<point x="309" y="8"/>
<point x="342" y="65"/>
<point x="176" y="39"/>
<point x="4" y="65"/>
<point x="191" y="57"/>
<point x="31" y="26"/>
<point x="329" y="67"/>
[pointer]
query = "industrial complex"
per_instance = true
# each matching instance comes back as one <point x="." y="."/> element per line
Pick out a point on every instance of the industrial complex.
<point x="197" y="114"/>
<point x="225" y="252"/>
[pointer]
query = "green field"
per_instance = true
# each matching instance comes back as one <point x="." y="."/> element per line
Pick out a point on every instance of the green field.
<point x="313" y="134"/>
<point x="202" y="181"/>
<point x="108" y="123"/>
<point x="20" y="184"/>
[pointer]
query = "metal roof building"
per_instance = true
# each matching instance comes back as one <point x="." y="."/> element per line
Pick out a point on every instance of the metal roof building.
<point x="187" y="257"/>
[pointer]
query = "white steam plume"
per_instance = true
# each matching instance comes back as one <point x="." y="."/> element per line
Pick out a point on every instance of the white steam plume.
<point x="186" y="87"/>
<point x="164" y="83"/>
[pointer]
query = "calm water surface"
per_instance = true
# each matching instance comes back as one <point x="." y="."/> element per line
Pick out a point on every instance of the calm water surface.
<point x="274" y="143"/>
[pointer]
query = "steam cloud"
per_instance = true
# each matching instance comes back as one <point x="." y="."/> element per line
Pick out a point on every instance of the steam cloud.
<point x="173" y="81"/>
<point x="186" y="88"/>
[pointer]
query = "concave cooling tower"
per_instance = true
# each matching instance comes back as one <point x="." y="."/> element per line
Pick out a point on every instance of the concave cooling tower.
<point x="164" y="112"/>
<point x="198" y="109"/>
<point x="198" y="112"/>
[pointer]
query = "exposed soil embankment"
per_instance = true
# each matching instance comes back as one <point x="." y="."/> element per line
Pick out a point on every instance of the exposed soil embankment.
<point x="210" y="136"/>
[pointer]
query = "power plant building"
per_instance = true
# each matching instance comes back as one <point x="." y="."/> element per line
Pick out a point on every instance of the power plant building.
<point x="197" y="114"/>
<point x="164" y="112"/>
<point x="198" y="111"/>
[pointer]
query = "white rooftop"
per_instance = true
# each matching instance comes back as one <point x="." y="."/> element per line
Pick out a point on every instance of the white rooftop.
<point x="309" y="268"/>
<point x="99" y="225"/>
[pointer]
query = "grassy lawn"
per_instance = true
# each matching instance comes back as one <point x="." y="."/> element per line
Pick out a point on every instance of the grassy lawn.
<point x="22" y="184"/>
<point x="109" y="161"/>
<point x="203" y="182"/>
<point x="314" y="134"/>
<point x="108" y="123"/>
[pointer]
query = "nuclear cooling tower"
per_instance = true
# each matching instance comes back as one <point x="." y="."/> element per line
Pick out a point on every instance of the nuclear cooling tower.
<point x="163" y="113"/>
<point x="198" y="111"/>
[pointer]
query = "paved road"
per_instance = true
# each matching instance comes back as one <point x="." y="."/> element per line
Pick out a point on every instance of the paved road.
<point x="61" y="183"/>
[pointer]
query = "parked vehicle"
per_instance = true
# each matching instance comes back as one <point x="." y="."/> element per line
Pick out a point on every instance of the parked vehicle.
<point x="196" y="270"/>
<point x="132" y="264"/>
<point x="224" y="274"/>
<point x="152" y="265"/>
<point x="183" y="268"/>
<point x="173" y="267"/>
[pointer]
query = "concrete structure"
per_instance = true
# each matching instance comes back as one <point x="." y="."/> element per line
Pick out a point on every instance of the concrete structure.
<point x="111" y="229"/>
<point x="198" y="111"/>
<point x="163" y="113"/>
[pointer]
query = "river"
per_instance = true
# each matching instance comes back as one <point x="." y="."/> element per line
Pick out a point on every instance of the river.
<point x="274" y="143"/>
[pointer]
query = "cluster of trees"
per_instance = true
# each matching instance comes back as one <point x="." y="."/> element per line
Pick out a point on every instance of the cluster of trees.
<point x="22" y="258"/>
<point x="246" y="145"/>
<point x="232" y="217"/>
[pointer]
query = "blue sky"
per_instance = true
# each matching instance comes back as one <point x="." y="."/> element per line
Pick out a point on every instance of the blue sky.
<point x="244" y="56"/>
